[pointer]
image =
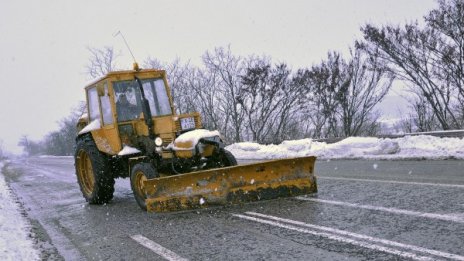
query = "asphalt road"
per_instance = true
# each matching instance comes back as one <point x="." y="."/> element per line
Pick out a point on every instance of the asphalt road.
<point x="364" y="210"/>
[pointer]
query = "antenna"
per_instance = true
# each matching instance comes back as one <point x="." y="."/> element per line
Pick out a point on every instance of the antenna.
<point x="136" y="66"/>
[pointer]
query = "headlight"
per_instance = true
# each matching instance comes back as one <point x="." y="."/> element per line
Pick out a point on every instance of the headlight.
<point x="158" y="141"/>
<point x="187" y="123"/>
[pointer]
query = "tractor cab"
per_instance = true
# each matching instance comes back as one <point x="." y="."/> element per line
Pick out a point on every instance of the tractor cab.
<point x="130" y="108"/>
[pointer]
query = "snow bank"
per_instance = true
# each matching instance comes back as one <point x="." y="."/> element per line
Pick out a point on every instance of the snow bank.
<point x="15" y="244"/>
<point x="192" y="137"/>
<point x="55" y="157"/>
<point x="409" y="147"/>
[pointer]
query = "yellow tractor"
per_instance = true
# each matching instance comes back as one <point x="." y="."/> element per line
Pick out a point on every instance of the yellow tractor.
<point x="131" y="130"/>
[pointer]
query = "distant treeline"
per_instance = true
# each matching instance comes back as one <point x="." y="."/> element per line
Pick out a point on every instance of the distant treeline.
<point x="252" y="99"/>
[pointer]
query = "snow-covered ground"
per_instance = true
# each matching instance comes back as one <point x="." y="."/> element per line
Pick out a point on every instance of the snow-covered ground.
<point x="15" y="243"/>
<point x="408" y="147"/>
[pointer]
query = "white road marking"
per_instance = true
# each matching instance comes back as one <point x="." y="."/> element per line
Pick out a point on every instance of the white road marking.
<point x="338" y="238"/>
<point x="158" y="249"/>
<point x="395" y="182"/>
<point x="453" y="218"/>
<point x="362" y="237"/>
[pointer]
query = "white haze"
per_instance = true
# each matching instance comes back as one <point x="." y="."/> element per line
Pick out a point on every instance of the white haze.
<point x="43" y="43"/>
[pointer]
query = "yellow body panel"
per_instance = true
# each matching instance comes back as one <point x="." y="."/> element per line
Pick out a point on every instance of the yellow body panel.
<point x="231" y="185"/>
<point x="164" y="124"/>
<point x="186" y="150"/>
<point x="140" y="127"/>
<point x="187" y="145"/>
<point x="107" y="141"/>
<point x="184" y="154"/>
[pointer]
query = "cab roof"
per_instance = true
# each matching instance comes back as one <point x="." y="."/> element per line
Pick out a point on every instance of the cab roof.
<point x="142" y="73"/>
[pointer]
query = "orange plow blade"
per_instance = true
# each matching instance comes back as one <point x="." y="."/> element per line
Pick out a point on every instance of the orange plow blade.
<point x="232" y="185"/>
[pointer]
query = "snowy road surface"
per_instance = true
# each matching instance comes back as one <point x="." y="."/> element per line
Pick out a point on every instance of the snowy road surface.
<point x="365" y="210"/>
<point x="15" y="243"/>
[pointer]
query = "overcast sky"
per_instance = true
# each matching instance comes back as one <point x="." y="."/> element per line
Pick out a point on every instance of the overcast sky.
<point x="43" y="43"/>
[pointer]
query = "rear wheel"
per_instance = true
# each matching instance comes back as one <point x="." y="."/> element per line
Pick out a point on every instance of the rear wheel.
<point x="140" y="173"/>
<point x="92" y="171"/>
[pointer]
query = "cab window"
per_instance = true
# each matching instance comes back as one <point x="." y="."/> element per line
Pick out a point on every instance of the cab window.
<point x="157" y="96"/>
<point x="127" y="98"/>
<point x="94" y="110"/>
<point x="106" y="106"/>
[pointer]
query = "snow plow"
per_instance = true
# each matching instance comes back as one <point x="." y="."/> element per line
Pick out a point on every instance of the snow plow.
<point x="232" y="185"/>
<point x="131" y="130"/>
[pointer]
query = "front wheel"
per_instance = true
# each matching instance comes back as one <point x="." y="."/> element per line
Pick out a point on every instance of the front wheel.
<point x="223" y="158"/>
<point x="140" y="173"/>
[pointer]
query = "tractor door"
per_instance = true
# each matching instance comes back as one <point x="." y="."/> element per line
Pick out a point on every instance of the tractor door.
<point x="109" y="124"/>
<point x="106" y="138"/>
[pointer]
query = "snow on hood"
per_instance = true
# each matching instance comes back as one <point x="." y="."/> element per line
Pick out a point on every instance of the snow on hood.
<point x="94" y="125"/>
<point x="192" y="136"/>
<point x="409" y="147"/>
<point x="128" y="150"/>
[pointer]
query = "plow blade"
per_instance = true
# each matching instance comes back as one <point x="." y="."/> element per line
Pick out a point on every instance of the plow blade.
<point x="232" y="185"/>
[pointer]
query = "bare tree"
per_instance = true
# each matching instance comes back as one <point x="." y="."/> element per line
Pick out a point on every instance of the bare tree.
<point x="310" y="104"/>
<point x="203" y="85"/>
<point x="369" y="82"/>
<point x="448" y="20"/>
<point x="324" y="85"/>
<point x="101" y="61"/>
<point x="2" y="151"/>
<point x="228" y="68"/>
<point x="178" y="77"/>
<point x="29" y="146"/>
<point x="268" y="99"/>
<point x="421" y="117"/>
<point x="431" y="58"/>
<point x="287" y="124"/>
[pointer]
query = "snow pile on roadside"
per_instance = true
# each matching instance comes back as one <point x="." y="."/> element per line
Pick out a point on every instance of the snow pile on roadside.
<point x="409" y="147"/>
<point x="15" y="243"/>
<point x="55" y="157"/>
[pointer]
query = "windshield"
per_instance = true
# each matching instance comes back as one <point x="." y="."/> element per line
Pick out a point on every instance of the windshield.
<point x="155" y="92"/>
<point x="128" y="98"/>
